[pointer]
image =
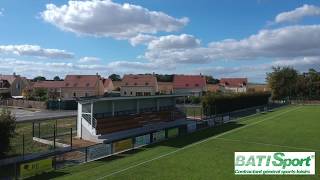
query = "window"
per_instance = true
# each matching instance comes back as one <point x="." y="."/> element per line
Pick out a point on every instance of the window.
<point x="127" y="84"/>
<point x="131" y="93"/>
<point x="86" y="94"/>
<point x="88" y="84"/>
<point x="74" y="94"/>
<point x="125" y="92"/>
<point x="135" y="84"/>
<point x="75" y="85"/>
<point x="147" y="83"/>
<point x="197" y="85"/>
<point x="187" y="85"/>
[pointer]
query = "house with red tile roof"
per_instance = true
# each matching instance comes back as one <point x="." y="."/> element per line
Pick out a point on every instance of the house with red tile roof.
<point x="54" y="88"/>
<point x="189" y="84"/>
<point x="215" y="88"/>
<point x="139" y="85"/>
<point x="75" y="86"/>
<point x="165" y="87"/>
<point x="234" y="84"/>
<point x="82" y="86"/>
<point x="107" y="85"/>
<point x="17" y="83"/>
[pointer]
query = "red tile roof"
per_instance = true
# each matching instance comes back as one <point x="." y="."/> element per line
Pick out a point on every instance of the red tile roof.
<point x="82" y="81"/>
<point x="234" y="82"/>
<point x="9" y="78"/>
<point x="188" y="81"/>
<point x="48" y="84"/>
<point x="139" y="80"/>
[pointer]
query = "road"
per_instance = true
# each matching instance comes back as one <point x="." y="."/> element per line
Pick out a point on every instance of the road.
<point x="36" y="114"/>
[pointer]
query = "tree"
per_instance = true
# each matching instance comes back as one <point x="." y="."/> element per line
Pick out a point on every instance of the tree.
<point x="39" y="78"/>
<point x="211" y="80"/>
<point x="282" y="82"/>
<point x="57" y="78"/>
<point x="7" y="126"/>
<point x="115" y="77"/>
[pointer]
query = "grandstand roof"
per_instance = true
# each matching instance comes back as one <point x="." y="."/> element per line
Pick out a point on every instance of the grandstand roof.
<point x="83" y="101"/>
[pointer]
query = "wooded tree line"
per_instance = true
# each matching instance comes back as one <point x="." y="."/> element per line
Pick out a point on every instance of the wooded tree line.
<point x="288" y="83"/>
<point x="217" y="103"/>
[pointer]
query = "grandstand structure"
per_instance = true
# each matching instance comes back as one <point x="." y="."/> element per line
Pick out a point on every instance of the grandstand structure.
<point x="109" y="119"/>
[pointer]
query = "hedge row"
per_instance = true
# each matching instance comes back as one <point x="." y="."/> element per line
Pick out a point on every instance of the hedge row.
<point x="223" y="103"/>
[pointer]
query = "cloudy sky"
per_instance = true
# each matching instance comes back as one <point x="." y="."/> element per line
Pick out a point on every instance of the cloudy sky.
<point x="220" y="38"/>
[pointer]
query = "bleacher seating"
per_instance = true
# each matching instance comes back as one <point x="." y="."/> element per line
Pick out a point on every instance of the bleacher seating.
<point x="119" y="123"/>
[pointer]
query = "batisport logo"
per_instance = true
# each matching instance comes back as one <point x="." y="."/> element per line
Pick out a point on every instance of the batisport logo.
<point x="274" y="163"/>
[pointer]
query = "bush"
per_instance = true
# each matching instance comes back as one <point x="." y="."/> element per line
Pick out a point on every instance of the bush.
<point x="7" y="128"/>
<point x="223" y="103"/>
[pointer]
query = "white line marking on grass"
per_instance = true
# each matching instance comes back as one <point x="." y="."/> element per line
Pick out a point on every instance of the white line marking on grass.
<point x="267" y="144"/>
<point x="194" y="144"/>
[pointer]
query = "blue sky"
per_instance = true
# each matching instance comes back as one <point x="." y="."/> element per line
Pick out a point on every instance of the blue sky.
<point x="219" y="38"/>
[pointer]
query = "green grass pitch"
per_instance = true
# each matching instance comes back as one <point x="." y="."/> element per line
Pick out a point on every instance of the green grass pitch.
<point x="209" y="154"/>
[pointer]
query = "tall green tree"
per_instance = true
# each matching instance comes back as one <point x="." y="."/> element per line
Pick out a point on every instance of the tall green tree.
<point x="39" y="78"/>
<point x="115" y="77"/>
<point x="7" y="130"/>
<point x="282" y="82"/>
<point x="57" y="78"/>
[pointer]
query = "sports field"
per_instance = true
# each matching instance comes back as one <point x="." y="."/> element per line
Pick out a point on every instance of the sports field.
<point x="209" y="154"/>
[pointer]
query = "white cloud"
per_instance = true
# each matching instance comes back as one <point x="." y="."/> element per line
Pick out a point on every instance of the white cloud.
<point x="301" y="63"/>
<point x="292" y="41"/>
<point x="1" y="11"/>
<point x="105" y="18"/>
<point x="89" y="60"/>
<point x="142" y="39"/>
<point x="298" y="13"/>
<point x="183" y="41"/>
<point x="35" y="51"/>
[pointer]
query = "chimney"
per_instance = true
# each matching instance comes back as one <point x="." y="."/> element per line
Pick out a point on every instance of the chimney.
<point x="14" y="74"/>
<point x="153" y="73"/>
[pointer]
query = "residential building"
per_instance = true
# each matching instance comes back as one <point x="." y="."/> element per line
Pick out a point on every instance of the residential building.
<point x="107" y="85"/>
<point x="189" y="84"/>
<point x="236" y="85"/>
<point x="76" y="86"/>
<point x="215" y="88"/>
<point x="116" y="85"/>
<point x="16" y="83"/>
<point x="54" y="88"/>
<point x="139" y="85"/>
<point x="165" y="87"/>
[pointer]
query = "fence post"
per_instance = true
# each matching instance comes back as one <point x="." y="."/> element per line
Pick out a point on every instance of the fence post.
<point x="32" y="128"/>
<point x="56" y="126"/>
<point x="54" y="136"/>
<point x="39" y="129"/>
<point x="86" y="154"/>
<point x="23" y="146"/>
<point x="71" y="138"/>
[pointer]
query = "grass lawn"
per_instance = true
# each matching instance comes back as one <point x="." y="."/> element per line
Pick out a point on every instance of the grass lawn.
<point x="193" y="111"/>
<point x="209" y="154"/>
<point x="46" y="129"/>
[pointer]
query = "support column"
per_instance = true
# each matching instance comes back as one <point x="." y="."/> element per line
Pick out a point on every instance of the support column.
<point x="112" y="108"/>
<point x="91" y="113"/>
<point x="138" y="108"/>
<point x="158" y="107"/>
